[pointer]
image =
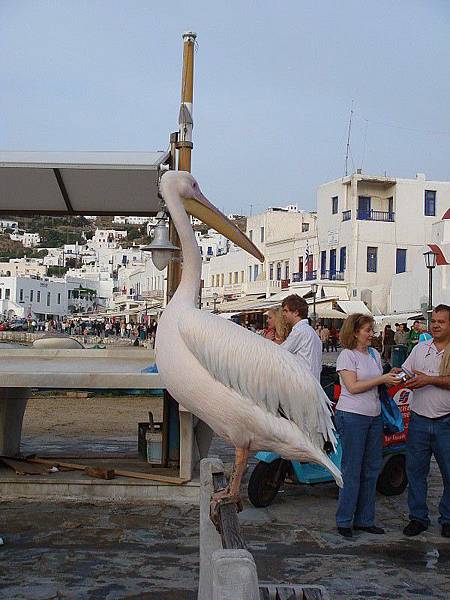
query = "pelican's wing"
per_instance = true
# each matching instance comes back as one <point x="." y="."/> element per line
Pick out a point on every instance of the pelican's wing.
<point x="259" y="370"/>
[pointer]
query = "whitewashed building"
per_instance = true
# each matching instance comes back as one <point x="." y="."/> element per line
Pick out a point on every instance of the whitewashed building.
<point x="409" y="290"/>
<point x="371" y="228"/>
<point x="22" y="267"/>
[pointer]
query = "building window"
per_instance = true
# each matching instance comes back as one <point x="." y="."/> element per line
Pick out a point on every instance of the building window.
<point x="261" y="234"/>
<point x="222" y="279"/>
<point x="430" y="203"/>
<point x="236" y="276"/>
<point x="229" y="278"/>
<point x="343" y="259"/>
<point x="48" y="298"/>
<point x="59" y="298"/>
<point x="323" y="262"/>
<point x="255" y="272"/>
<point x="305" y="227"/>
<point x="1" y="293"/>
<point x="334" y="205"/>
<point x="21" y="296"/>
<point x="286" y="270"/>
<point x="38" y="296"/>
<point x="242" y="276"/>
<point x="210" y="252"/>
<point x="400" y="261"/>
<point x="250" y="234"/>
<point x="371" y="259"/>
<point x="31" y="295"/>
<point x="7" y="294"/>
<point x="271" y="272"/>
<point x="249" y="273"/>
<point x="278" y="271"/>
<point x="333" y="263"/>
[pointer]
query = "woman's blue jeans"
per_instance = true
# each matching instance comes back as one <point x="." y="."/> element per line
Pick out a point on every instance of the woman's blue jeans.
<point x="427" y="437"/>
<point x="362" y="458"/>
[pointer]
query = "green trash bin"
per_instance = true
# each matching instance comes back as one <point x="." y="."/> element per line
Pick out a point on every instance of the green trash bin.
<point x="398" y="355"/>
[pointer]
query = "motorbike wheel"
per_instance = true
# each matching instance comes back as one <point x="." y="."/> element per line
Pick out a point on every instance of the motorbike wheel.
<point x="265" y="481"/>
<point x="392" y="480"/>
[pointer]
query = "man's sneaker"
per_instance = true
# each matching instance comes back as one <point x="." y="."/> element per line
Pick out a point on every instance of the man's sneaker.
<point x="369" y="529"/>
<point x="414" y="528"/>
<point x="345" y="531"/>
<point x="445" y="531"/>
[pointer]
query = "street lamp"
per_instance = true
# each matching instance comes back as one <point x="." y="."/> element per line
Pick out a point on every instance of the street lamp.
<point x="215" y="296"/>
<point x="430" y="263"/>
<point x="314" y="288"/>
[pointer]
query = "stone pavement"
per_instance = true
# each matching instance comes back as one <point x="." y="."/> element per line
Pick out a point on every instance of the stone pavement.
<point x="75" y="550"/>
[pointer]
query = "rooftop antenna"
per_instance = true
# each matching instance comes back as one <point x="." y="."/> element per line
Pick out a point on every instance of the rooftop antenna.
<point x="348" y="140"/>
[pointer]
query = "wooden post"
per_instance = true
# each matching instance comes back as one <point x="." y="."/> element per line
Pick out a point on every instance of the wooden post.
<point x="183" y="142"/>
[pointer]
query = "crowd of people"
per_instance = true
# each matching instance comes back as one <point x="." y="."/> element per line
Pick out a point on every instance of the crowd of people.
<point x="362" y="370"/>
<point x="103" y="328"/>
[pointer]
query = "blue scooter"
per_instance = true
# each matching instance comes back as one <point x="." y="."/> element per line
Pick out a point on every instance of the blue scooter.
<point x="271" y="471"/>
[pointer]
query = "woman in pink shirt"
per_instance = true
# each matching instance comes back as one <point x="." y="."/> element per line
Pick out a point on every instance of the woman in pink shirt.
<point x="360" y="426"/>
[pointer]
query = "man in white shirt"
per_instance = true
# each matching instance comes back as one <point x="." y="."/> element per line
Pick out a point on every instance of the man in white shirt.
<point x="302" y="340"/>
<point x="429" y="427"/>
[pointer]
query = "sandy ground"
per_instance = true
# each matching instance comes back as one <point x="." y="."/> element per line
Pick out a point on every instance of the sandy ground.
<point x="94" y="416"/>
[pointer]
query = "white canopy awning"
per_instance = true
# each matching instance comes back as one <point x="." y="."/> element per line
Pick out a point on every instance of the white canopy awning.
<point x="353" y="306"/>
<point x="80" y="183"/>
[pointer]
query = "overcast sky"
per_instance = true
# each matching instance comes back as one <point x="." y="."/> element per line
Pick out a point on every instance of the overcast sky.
<point x="274" y="85"/>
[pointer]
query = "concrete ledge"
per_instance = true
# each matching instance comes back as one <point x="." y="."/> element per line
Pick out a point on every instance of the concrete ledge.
<point x="121" y="488"/>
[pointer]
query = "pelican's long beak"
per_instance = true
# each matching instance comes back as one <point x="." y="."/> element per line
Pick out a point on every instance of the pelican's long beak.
<point x="202" y="209"/>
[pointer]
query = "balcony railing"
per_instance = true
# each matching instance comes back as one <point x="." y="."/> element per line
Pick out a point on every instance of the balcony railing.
<point x="375" y="215"/>
<point x="308" y="276"/>
<point x="332" y="275"/>
<point x="346" y="215"/>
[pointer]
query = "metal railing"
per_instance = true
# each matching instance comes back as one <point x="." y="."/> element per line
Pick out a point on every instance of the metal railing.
<point x="332" y="275"/>
<point x="307" y="276"/>
<point x="346" y="215"/>
<point x="375" y="215"/>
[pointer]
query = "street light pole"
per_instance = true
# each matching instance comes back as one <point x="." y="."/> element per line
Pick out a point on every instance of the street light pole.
<point x="430" y="263"/>
<point x="314" y="288"/>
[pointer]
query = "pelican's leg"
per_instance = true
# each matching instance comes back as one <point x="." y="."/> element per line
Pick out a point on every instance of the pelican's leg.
<point x="231" y="495"/>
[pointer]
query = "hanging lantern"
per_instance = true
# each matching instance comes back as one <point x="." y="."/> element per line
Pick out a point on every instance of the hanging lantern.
<point x="161" y="247"/>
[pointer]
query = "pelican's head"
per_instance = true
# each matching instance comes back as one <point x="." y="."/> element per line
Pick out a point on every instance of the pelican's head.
<point x="185" y="186"/>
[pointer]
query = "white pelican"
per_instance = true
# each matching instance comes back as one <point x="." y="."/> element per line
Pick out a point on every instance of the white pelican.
<point x="250" y="391"/>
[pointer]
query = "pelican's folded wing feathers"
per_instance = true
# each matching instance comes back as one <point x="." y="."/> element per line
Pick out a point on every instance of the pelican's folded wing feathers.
<point x="260" y="371"/>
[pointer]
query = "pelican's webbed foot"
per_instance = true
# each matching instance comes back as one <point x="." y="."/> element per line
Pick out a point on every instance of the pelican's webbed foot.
<point x="220" y="498"/>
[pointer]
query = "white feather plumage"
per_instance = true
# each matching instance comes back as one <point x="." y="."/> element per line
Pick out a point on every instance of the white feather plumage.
<point x="247" y="389"/>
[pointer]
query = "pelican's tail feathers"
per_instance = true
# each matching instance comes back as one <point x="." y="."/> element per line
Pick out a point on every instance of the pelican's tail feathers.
<point x="332" y="468"/>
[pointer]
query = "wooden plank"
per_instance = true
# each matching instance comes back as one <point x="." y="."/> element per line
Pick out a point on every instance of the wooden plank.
<point x="151" y="477"/>
<point x="100" y="473"/>
<point x="21" y="467"/>
<point x="118" y="472"/>
<point x="229" y="527"/>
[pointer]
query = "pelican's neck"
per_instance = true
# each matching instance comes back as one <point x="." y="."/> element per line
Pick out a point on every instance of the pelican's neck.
<point x="192" y="263"/>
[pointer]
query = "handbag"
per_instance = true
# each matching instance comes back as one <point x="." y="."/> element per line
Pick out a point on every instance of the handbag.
<point x="390" y="412"/>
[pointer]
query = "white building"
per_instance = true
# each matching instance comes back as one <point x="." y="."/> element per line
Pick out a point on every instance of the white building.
<point x="409" y="290"/>
<point x="137" y="220"/>
<point x="370" y="228"/>
<point x="22" y="267"/>
<point x="31" y="296"/>
<point x="31" y="239"/>
<point x="106" y="238"/>
<point x="211" y="244"/>
<point x="8" y="224"/>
